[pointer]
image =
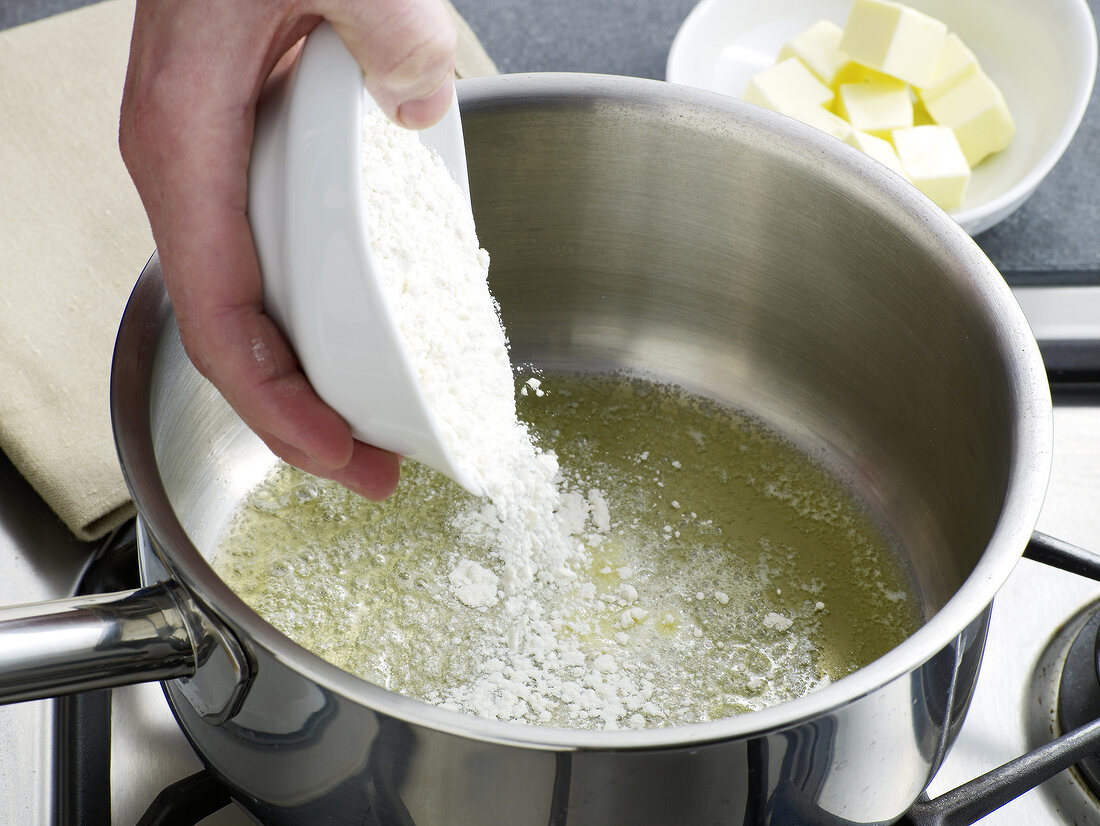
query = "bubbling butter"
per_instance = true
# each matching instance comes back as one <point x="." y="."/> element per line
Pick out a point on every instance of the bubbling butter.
<point x="718" y="570"/>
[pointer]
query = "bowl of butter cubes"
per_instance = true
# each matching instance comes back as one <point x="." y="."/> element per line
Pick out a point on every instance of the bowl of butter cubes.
<point x="971" y="101"/>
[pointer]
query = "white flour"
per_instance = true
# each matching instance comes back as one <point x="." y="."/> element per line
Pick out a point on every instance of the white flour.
<point x="435" y="275"/>
<point x="435" y="278"/>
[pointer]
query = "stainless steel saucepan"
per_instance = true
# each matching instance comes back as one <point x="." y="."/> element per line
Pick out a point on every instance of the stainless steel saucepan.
<point x="632" y="224"/>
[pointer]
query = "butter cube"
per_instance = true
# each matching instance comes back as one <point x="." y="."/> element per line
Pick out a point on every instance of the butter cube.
<point x="878" y="148"/>
<point x="858" y="73"/>
<point x="956" y="62"/>
<point x="876" y="106"/>
<point x="825" y="120"/>
<point x="819" y="48"/>
<point x="976" y="110"/>
<point x="787" y="87"/>
<point x="920" y="114"/>
<point x="934" y="161"/>
<point x="894" y="39"/>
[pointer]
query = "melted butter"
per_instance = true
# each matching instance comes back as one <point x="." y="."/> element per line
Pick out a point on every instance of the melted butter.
<point x="736" y="574"/>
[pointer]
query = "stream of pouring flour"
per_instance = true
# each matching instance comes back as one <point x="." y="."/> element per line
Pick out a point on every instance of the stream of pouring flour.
<point x="643" y="557"/>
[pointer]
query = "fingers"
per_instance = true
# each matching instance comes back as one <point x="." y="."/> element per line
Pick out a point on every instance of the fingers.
<point x="275" y="399"/>
<point x="371" y="472"/>
<point x="196" y="71"/>
<point x="186" y="133"/>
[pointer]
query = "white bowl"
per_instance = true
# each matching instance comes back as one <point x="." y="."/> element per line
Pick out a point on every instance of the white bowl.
<point x="306" y="211"/>
<point x="1042" y="54"/>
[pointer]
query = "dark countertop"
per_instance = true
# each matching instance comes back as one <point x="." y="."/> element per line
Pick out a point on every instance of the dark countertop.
<point x="1053" y="239"/>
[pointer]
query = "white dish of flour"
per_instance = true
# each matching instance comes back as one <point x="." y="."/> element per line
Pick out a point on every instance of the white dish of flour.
<point x="370" y="319"/>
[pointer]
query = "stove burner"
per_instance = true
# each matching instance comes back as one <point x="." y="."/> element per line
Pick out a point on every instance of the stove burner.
<point x="1079" y="692"/>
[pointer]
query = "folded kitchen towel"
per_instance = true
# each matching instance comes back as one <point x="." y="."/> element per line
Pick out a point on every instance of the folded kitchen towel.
<point x="471" y="59"/>
<point x="73" y="238"/>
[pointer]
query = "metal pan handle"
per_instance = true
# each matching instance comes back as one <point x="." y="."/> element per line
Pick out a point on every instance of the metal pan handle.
<point x="107" y="640"/>
<point x="90" y="642"/>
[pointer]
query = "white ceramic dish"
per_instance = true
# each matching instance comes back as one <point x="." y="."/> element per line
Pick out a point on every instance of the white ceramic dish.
<point x="1042" y="54"/>
<point x="307" y="216"/>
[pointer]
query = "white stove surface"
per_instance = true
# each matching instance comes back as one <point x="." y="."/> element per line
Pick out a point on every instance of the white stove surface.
<point x="1010" y="711"/>
<point x="1009" y="714"/>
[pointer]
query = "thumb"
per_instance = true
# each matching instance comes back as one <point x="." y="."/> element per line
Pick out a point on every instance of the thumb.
<point x="406" y="49"/>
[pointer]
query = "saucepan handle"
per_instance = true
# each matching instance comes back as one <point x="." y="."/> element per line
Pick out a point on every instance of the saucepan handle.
<point x="70" y="645"/>
<point x="91" y="642"/>
<point x="977" y="798"/>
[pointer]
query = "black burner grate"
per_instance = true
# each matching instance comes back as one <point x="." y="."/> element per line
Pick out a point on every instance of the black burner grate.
<point x="1079" y="693"/>
<point x="187" y="802"/>
<point x="82" y="728"/>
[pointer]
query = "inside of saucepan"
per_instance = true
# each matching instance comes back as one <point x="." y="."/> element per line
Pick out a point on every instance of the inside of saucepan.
<point x="725" y="252"/>
<point x="738" y="264"/>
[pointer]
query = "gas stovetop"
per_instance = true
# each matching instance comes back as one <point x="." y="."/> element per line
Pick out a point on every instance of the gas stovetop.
<point x="1051" y="241"/>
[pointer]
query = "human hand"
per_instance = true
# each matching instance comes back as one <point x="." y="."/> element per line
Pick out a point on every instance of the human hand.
<point x="196" y="71"/>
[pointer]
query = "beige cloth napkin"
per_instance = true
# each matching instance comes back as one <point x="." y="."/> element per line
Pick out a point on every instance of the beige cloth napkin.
<point x="471" y="60"/>
<point x="73" y="238"/>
